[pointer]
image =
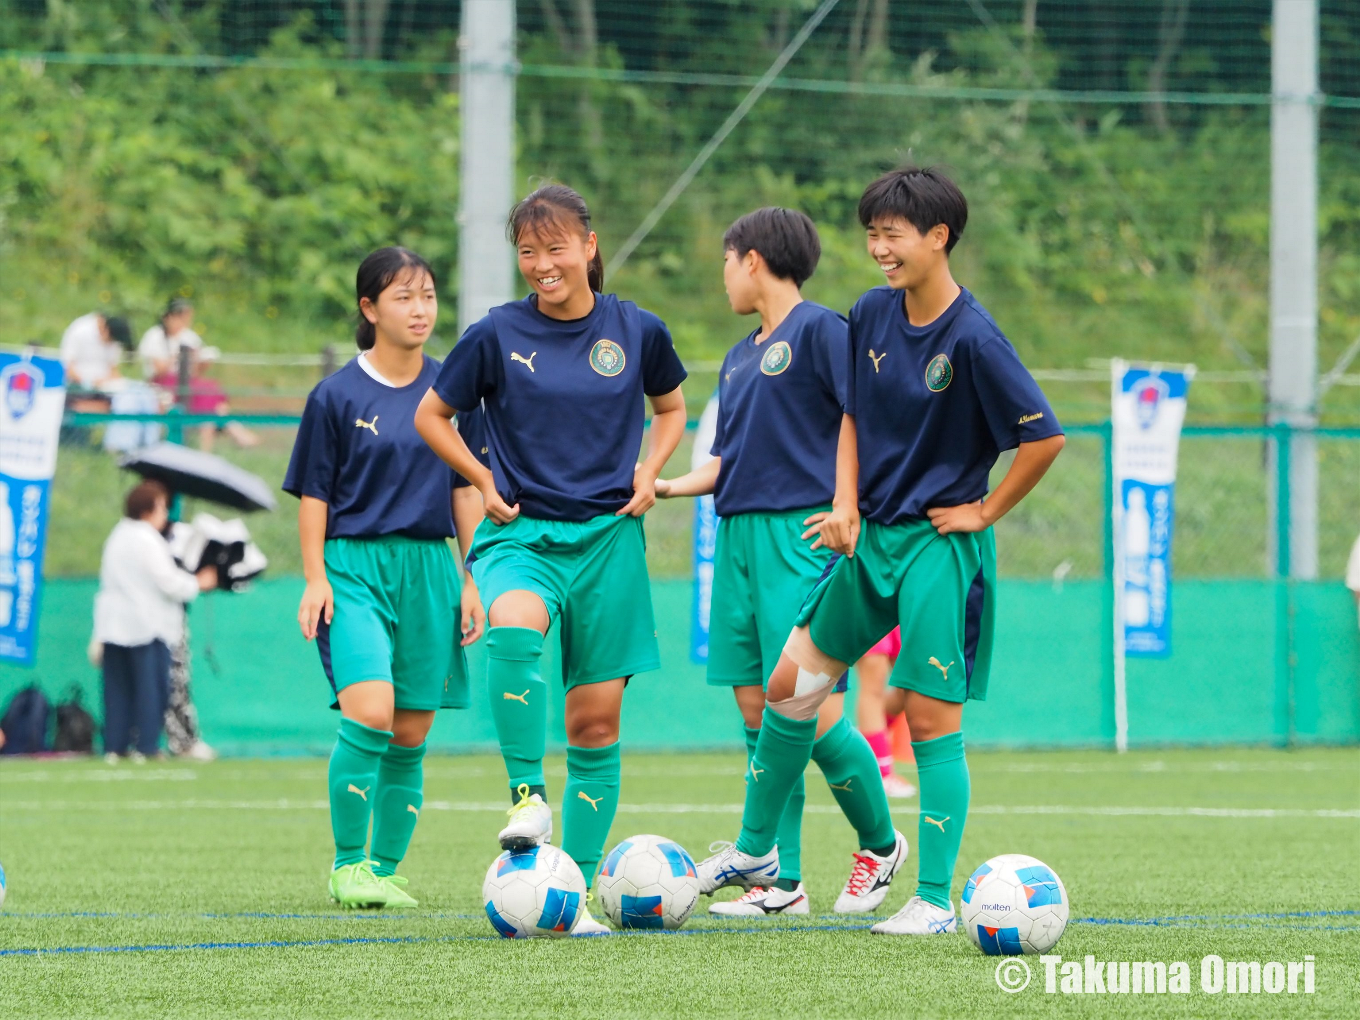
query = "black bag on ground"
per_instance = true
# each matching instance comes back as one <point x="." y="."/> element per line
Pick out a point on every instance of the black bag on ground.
<point x="25" y="722"/>
<point x="75" y="726"/>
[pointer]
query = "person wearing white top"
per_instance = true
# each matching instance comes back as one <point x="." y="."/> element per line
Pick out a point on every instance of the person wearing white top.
<point x="160" y="345"/>
<point x="1353" y="573"/>
<point x="138" y="615"/>
<point x="89" y="351"/>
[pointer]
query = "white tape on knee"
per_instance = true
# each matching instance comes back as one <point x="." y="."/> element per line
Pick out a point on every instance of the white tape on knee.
<point x="800" y="707"/>
<point x="808" y="682"/>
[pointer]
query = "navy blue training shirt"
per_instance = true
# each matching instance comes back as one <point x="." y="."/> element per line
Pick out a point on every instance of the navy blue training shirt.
<point x="934" y="405"/>
<point x="358" y="451"/>
<point x="563" y="400"/>
<point x="779" y="415"/>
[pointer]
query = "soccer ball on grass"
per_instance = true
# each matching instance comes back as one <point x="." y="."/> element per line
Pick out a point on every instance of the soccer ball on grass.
<point x="538" y="892"/>
<point x="648" y="882"/>
<point x="1014" y="904"/>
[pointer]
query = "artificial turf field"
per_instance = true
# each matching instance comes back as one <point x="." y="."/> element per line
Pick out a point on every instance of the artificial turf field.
<point x="177" y="890"/>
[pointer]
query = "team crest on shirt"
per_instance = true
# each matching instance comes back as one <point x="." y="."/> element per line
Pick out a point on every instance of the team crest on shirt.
<point x="776" y="359"/>
<point x="939" y="373"/>
<point x="606" y="357"/>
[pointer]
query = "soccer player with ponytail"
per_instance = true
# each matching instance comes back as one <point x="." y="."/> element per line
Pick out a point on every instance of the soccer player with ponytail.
<point x="383" y="593"/>
<point x="562" y="377"/>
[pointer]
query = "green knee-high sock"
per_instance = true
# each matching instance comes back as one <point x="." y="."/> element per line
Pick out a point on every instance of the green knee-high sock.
<point x="401" y="792"/>
<point x="789" y="833"/>
<point x="589" y="801"/>
<point x="782" y="754"/>
<point x="942" y="769"/>
<point x="851" y="770"/>
<point x="519" y="701"/>
<point x="352" y="779"/>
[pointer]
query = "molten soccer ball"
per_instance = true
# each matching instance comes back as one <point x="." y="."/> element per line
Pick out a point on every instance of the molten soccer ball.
<point x="648" y="882"/>
<point x="1014" y="904"/>
<point x="535" y="892"/>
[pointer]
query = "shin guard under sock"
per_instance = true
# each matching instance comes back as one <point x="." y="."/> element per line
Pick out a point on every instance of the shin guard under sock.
<point x="942" y="771"/>
<point x="851" y="770"/>
<point x="589" y="801"/>
<point x="352" y="778"/>
<point x="789" y="834"/>
<point x="401" y="794"/>
<point x="782" y="752"/>
<point x="519" y="701"/>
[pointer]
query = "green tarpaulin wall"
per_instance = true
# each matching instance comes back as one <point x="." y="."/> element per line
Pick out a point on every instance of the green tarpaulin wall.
<point x="260" y="690"/>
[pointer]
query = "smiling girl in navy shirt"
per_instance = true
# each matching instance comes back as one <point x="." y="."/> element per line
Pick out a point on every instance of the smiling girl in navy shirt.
<point x="383" y="594"/>
<point x="562" y="377"/>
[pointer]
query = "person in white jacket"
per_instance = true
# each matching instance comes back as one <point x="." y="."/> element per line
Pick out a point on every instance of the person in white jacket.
<point x="138" y="616"/>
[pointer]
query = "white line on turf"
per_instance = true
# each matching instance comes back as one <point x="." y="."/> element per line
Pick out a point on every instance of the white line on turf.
<point x="692" y="809"/>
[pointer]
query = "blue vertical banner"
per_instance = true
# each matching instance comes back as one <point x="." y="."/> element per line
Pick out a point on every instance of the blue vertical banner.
<point x="705" y="536"/>
<point x="32" y="399"/>
<point x="1149" y="410"/>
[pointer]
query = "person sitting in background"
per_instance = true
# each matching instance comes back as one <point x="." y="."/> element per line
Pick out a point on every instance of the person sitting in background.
<point x="160" y="346"/>
<point x="91" y="349"/>
<point x="205" y="396"/>
<point x="138" y="616"/>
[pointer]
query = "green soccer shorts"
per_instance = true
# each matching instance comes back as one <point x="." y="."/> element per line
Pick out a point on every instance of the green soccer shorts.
<point x="591" y="576"/>
<point x="941" y="590"/>
<point x="763" y="569"/>
<point x="397" y="614"/>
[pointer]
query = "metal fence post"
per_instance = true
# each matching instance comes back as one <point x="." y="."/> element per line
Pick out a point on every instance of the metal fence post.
<point x="1284" y="629"/>
<point x="1107" y="600"/>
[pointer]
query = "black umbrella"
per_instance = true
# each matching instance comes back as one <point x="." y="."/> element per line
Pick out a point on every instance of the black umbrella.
<point x="201" y="475"/>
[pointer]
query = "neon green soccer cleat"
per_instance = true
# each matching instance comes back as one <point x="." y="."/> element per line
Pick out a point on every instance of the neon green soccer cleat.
<point x="397" y="896"/>
<point x="354" y="887"/>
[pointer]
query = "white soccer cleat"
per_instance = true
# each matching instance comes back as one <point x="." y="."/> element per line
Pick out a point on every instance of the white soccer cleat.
<point x="530" y="823"/>
<point x="199" y="751"/>
<point x="763" y="902"/>
<point x="729" y="866"/>
<point x="587" y="925"/>
<point x="869" y="879"/>
<point x="895" y="786"/>
<point x="918" y="918"/>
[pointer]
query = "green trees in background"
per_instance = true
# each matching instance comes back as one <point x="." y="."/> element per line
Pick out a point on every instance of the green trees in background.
<point x="1095" y="230"/>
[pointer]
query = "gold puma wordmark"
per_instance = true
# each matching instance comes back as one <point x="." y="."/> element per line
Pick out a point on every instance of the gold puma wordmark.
<point x="521" y="698"/>
<point x="594" y="802"/>
<point x="877" y="359"/>
<point x="943" y="669"/>
<point x="938" y="824"/>
<point x="372" y="426"/>
<point x="529" y="361"/>
<point x="363" y="794"/>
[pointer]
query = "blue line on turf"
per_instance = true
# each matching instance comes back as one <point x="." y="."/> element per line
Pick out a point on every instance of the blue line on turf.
<point x="764" y="930"/>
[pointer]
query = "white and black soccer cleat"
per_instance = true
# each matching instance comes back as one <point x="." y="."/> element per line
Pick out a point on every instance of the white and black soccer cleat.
<point x="530" y="823"/>
<point x="764" y="902"/>
<point x="729" y="866"/>
<point x="918" y="918"/>
<point x="870" y="877"/>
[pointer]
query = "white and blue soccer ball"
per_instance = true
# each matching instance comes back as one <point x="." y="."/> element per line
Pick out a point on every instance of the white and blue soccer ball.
<point x="1014" y="904"/>
<point x="534" y="893"/>
<point x="648" y="882"/>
